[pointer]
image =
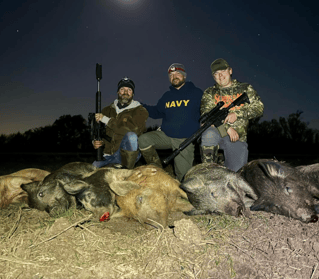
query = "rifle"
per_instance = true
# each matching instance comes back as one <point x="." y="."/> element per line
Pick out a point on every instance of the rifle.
<point x="98" y="128"/>
<point x="215" y="117"/>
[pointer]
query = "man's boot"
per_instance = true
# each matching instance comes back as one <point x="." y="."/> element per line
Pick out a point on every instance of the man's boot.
<point x="209" y="154"/>
<point x="128" y="158"/>
<point x="151" y="157"/>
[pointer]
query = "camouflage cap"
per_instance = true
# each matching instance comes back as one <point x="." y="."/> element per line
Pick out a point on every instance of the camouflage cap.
<point x="219" y="64"/>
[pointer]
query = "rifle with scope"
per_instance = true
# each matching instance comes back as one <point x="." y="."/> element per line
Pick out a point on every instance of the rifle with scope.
<point x="215" y="117"/>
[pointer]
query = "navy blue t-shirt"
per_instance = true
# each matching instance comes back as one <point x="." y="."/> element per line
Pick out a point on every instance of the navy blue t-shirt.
<point x="179" y="110"/>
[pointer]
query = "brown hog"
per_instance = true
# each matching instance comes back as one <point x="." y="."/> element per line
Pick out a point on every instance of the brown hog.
<point x="151" y="197"/>
<point x="10" y="185"/>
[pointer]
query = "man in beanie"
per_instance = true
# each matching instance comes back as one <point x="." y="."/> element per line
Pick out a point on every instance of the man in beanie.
<point x="179" y="110"/>
<point x="125" y="120"/>
<point x="232" y="135"/>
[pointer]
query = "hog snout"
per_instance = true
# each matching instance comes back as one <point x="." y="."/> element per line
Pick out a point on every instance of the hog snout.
<point x="313" y="219"/>
<point x="306" y="216"/>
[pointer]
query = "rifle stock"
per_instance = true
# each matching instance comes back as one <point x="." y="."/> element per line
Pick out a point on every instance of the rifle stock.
<point x="214" y="117"/>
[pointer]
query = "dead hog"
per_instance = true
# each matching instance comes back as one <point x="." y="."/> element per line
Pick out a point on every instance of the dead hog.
<point x="49" y="195"/>
<point x="93" y="190"/>
<point x="212" y="188"/>
<point x="10" y="185"/>
<point x="311" y="173"/>
<point x="31" y="173"/>
<point x="281" y="189"/>
<point x="149" y="195"/>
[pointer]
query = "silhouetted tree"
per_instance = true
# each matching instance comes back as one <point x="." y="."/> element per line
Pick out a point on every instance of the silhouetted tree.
<point x="15" y="143"/>
<point x="295" y="129"/>
<point x="42" y="139"/>
<point x="3" y="140"/>
<point x="72" y="133"/>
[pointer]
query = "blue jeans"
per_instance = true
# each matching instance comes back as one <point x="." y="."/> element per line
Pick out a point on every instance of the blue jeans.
<point x="129" y="143"/>
<point x="236" y="153"/>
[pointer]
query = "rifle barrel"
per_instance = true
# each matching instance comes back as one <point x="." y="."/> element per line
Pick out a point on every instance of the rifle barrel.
<point x="213" y="117"/>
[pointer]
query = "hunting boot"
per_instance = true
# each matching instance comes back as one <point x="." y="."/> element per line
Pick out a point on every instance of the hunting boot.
<point x="151" y="157"/>
<point x="209" y="154"/>
<point x="128" y="158"/>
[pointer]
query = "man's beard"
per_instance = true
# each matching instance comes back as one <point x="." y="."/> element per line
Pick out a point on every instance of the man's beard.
<point x="125" y="99"/>
<point x="179" y="83"/>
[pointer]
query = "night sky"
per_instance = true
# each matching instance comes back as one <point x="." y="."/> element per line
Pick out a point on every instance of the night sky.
<point x="49" y="50"/>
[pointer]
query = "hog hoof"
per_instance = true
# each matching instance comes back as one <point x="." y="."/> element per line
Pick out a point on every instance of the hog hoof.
<point x="136" y="175"/>
<point x="150" y="171"/>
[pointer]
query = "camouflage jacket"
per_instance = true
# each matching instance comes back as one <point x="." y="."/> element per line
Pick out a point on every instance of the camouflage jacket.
<point x="213" y="95"/>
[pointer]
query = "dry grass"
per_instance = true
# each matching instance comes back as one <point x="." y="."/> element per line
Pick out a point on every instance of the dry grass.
<point x="72" y="245"/>
<point x="64" y="246"/>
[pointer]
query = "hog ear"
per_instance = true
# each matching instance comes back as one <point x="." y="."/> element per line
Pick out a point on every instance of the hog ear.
<point x="192" y="184"/>
<point x="29" y="186"/>
<point x="272" y="169"/>
<point x="17" y="181"/>
<point x="121" y="188"/>
<point x="75" y="187"/>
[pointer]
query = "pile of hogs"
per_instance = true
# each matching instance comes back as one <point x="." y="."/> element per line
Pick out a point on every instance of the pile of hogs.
<point x="148" y="194"/>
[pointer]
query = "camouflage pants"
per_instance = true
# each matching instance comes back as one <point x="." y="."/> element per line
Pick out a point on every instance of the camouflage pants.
<point x="182" y="162"/>
<point x="236" y="153"/>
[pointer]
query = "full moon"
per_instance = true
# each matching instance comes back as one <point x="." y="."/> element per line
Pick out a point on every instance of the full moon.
<point x="128" y="1"/>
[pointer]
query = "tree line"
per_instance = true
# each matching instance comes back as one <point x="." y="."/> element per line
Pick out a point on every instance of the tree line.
<point x="72" y="134"/>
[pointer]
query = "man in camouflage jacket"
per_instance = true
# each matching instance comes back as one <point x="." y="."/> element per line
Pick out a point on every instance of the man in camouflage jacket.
<point x="232" y="135"/>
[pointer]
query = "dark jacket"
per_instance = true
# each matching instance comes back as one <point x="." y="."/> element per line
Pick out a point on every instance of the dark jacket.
<point x="179" y="110"/>
<point x="129" y="119"/>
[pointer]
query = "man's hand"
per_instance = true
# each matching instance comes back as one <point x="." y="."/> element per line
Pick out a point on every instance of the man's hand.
<point x="233" y="135"/>
<point x="231" y="118"/>
<point x="98" y="117"/>
<point x="97" y="143"/>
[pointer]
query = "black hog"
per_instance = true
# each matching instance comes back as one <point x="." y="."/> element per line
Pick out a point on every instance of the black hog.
<point x="281" y="189"/>
<point x="212" y="188"/>
<point x="49" y="195"/>
<point x="311" y="173"/>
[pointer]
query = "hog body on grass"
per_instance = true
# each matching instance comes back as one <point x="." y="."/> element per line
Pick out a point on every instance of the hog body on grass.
<point x="10" y="185"/>
<point x="93" y="189"/>
<point x="49" y="195"/>
<point x="149" y="195"/>
<point x="212" y="188"/>
<point x="281" y="189"/>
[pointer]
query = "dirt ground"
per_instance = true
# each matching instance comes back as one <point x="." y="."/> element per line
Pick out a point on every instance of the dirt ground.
<point x="35" y="245"/>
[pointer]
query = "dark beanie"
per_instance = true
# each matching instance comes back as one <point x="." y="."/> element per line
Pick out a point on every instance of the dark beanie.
<point x="126" y="82"/>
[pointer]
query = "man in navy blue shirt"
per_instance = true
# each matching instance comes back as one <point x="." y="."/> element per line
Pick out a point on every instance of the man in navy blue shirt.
<point x="179" y="109"/>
